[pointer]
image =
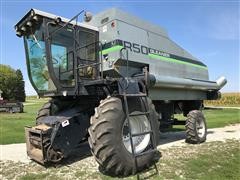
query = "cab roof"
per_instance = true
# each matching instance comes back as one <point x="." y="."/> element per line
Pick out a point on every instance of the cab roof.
<point x="34" y="12"/>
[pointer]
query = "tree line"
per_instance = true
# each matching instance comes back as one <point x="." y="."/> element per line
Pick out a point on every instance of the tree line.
<point x="12" y="84"/>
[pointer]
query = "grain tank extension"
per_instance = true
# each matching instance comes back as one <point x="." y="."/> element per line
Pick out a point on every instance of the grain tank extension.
<point x="114" y="81"/>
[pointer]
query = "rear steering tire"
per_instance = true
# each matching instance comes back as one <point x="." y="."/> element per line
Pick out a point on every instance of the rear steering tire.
<point x="108" y="137"/>
<point x="196" y="129"/>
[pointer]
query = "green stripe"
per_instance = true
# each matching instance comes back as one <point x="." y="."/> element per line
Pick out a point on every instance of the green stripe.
<point x="111" y="49"/>
<point x="154" y="56"/>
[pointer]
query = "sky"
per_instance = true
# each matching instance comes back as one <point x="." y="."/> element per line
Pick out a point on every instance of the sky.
<point x="209" y="30"/>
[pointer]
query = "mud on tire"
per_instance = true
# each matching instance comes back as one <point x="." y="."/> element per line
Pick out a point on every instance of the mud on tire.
<point x="196" y="129"/>
<point x="105" y="138"/>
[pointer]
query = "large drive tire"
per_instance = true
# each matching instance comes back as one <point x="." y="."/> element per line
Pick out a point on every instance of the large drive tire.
<point x="48" y="109"/>
<point x="106" y="138"/>
<point x="196" y="129"/>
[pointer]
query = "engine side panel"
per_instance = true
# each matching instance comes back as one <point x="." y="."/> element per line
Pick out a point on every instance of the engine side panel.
<point x="146" y="44"/>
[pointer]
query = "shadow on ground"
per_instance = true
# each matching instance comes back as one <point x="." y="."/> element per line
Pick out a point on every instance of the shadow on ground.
<point x="83" y="151"/>
<point x="169" y="137"/>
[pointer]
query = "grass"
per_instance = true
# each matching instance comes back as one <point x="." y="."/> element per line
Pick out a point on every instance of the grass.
<point x="32" y="176"/>
<point x="215" y="160"/>
<point x="223" y="117"/>
<point x="216" y="118"/>
<point x="219" y="165"/>
<point x="12" y="125"/>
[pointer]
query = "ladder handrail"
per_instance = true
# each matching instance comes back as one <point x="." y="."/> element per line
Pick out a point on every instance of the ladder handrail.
<point x="126" y="57"/>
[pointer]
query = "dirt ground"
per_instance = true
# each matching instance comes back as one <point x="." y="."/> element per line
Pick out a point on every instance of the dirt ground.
<point x="14" y="156"/>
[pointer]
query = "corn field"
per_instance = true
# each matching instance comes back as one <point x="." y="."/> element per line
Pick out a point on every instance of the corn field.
<point x="227" y="99"/>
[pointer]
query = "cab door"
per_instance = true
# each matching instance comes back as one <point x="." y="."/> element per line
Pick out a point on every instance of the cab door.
<point x="87" y="54"/>
<point x="62" y="55"/>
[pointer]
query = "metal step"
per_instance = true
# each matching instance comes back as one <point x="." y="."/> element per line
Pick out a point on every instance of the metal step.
<point x="140" y="114"/>
<point x="135" y="95"/>
<point x="146" y="152"/>
<point x="143" y="133"/>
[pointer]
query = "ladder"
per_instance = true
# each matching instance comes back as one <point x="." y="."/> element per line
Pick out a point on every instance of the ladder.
<point x="152" y="144"/>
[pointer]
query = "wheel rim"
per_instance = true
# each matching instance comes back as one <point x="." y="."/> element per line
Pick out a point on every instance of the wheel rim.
<point x="201" y="128"/>
<point x="139" y="124"/>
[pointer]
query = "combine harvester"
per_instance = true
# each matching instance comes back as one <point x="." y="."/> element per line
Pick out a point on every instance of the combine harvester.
<point x="10" y="106"/>
<point x="116" y="81"/>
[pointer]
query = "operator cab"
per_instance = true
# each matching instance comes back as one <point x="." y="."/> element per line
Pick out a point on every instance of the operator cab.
<point x="58" y="52"/>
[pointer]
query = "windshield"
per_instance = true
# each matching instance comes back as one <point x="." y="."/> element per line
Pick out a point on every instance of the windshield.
<point x="36" y="60"/>
<point x="56" y="59"/>
<point x="62" y="46"/>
